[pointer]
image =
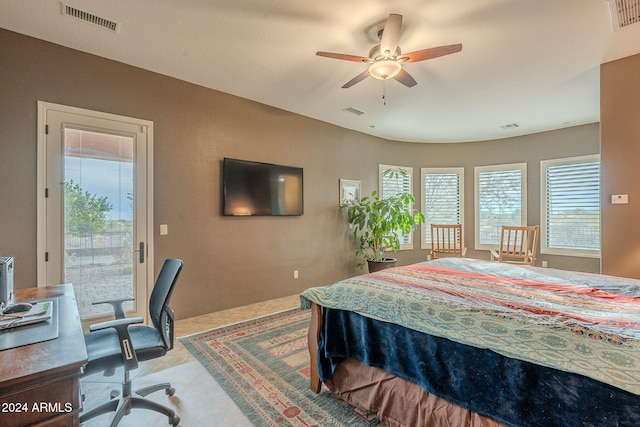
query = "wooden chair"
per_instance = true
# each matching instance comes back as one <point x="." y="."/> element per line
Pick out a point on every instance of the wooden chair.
<point x="446" y="240"/>
<point x="518" y="245"/>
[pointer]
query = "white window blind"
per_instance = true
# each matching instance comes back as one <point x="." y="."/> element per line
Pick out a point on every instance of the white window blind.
<point x="390" y="186"/>
<point x="571" y="206"/>
<point x="500" y="200"/>
<point x="442" y="195"/>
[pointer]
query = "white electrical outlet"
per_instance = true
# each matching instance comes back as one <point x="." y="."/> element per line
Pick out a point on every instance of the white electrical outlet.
<point x="295" y="274"/>
<point x="619" y="199"/>
<point x="544" y="264"/>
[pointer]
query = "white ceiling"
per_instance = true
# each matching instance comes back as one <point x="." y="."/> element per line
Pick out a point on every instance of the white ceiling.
<point x="530" y="62"/>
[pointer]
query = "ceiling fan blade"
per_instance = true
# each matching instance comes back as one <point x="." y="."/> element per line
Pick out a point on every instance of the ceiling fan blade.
<point x="405" y="78"/>
<point x="357" y="79"/>
<point x="391" y="35"/>
<point x="343" y="56"/>
<point x="433" y="52"/>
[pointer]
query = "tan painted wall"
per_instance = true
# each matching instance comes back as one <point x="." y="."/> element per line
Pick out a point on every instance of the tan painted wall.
<point x="620" y="156"/>
<point x="229" y="261"/>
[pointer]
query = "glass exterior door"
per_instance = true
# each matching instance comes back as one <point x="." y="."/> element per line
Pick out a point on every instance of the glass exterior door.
<point x="94" y="221"/>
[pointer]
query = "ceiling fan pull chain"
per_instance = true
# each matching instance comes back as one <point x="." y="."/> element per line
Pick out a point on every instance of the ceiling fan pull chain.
<point x="384" y="90"/>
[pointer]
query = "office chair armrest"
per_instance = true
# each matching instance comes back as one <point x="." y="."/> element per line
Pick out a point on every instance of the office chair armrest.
<point x="116" y="324"/>
<point x="116" y="303"/>
<point x="130" y="360"/>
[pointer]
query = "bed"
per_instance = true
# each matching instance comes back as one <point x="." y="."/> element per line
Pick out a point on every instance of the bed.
<point x="464" y="342"/>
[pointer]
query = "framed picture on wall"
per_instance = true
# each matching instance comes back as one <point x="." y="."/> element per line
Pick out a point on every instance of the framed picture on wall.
<point x="349" y="192"/>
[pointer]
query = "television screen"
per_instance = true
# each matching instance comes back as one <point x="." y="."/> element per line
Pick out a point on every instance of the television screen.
<point x="252" y="188"/>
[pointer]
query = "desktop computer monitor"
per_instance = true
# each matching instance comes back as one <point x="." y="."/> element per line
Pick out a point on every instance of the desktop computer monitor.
<point x="6" y="280"/>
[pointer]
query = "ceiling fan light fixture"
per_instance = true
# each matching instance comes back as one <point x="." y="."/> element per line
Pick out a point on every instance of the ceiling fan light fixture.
<point x="386" y="59"/>
<point x="384" y="69"/>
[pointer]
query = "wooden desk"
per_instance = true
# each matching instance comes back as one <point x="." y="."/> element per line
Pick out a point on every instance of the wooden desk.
<point x="40" y="383"/>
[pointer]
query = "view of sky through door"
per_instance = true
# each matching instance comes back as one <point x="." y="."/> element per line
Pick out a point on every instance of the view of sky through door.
<point x="98" y="217"/>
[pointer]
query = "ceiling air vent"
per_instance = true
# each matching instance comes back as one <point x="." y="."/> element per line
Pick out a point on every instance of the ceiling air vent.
<point x="624" y="13"/>
<point x="90" y="18"/>
<point x="510" y="126"/>
<point x="353" y="111"/>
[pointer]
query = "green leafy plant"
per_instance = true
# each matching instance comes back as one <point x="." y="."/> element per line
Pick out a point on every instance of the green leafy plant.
<point x="84" y="212"/>
<point x="379" y="223"/>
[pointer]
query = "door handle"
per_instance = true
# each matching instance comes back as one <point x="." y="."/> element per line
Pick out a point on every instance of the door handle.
<point x="141" y="252"/>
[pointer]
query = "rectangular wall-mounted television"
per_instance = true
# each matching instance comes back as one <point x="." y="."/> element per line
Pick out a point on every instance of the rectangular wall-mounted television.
<point x="253" y="188"/>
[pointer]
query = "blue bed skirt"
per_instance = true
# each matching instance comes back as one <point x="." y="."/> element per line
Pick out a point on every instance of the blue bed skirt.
<point x="510" y="391"/>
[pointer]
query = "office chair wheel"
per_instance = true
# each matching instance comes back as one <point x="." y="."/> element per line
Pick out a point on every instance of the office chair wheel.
<point x="170" y="392"/>
<point x="174" y="421"/>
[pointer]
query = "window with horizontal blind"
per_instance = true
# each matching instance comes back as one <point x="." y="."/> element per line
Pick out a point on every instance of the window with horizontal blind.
<point x="389" y="186"/>
<point x="442" y="199"/>
<point x="570" y="206"/>
<point x="501" y="194"/>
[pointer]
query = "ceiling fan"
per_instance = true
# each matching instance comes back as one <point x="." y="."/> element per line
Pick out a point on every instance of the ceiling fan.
<point x="386" y="59"/>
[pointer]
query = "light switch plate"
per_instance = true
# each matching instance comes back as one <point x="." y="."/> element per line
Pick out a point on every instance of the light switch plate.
<point x="164" y="229"/>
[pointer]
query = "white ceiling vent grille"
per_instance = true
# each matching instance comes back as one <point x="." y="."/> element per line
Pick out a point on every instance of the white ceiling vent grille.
<point x="510" y="126"/>
<point x="353" y="111"/>
<point x="624" y="13"/>
<point x="90" y="18"/>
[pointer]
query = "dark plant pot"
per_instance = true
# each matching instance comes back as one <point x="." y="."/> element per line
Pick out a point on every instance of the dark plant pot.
<point x="381" y="265"/>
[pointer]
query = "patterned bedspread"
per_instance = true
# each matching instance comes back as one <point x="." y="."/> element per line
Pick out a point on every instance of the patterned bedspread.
<point x="583" y="323"/>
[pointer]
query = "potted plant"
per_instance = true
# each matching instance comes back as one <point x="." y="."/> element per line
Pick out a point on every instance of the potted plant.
<point x="379" y="223"/>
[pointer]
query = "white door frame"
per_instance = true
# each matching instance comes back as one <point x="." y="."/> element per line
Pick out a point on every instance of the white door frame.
<point x="146" y="127"/>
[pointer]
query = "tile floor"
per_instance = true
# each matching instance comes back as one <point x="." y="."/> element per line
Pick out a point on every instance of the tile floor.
<point x="199" y="400"/>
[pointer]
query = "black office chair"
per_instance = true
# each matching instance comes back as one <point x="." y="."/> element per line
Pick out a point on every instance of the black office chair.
<point x="116" y="343"/>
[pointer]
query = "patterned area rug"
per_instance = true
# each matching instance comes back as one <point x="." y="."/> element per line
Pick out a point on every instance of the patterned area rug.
<point x="263" y="365"/>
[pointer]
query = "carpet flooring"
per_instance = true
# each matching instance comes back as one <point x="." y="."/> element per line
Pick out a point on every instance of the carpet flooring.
<point x="199" y="400"/>
<point x="263" y="367"/>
